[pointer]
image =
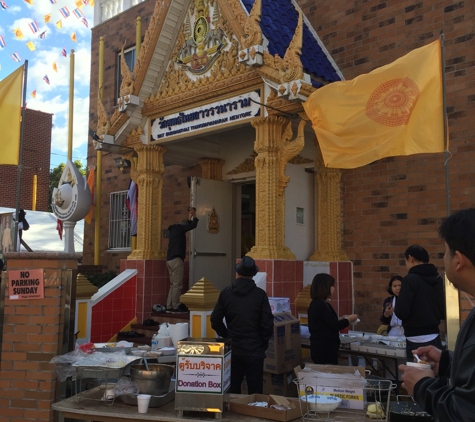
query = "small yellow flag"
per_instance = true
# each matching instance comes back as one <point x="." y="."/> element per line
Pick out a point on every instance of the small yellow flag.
<point x="29" y="1"/>
<point x="10" y="116"/>
<point x="73" y="37"/>
<point x="394" y="110"/>
<point x="55" y="67"/>
<point x="59" y="24"/>
<point x="33" y="94"/>
<point x="79" y="4"/>
<point x="31" y="46"/>
<point x="18" y="33"/>
<point x="47" y="17"/>
<point x="91" y="3"/>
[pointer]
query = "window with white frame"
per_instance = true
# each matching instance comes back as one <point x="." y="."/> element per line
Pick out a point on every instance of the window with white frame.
<point x="119" y="221"/>
<point x="129" y="56"/>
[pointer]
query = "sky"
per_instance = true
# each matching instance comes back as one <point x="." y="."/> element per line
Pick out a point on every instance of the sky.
<point x="53" y="97"/>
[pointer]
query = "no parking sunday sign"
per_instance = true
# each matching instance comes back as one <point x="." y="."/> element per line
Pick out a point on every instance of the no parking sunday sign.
<point x="26" y="284"/>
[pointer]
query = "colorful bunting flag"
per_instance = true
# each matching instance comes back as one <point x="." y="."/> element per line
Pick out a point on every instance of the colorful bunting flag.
<point x="59" y="24"/>
<point x="53" y="1"/>
<point x="47" y="18"/>
<point x="42" y="35"/>
<point x="3" y="44"/>
<point x="34" y="27"/>
<point x="84" y="21"/>
<point x="55" y="67"/>
<point x="91" y="3"/>
<point x="85" y="2"/>
<point x="46" y="79"/>
<point x="64" y="52"/>
<point x="3" y="4"/>
<point x="73" y="37"/>
<point x="64" y="12"/>
<point x="78" y="4"/>
<point x="29" y="1"/>
<point x="15" y="56"/>
<point x="31" y="46"/>
<point x="18" y="33"/>
<point x="33" y="94"/>
<point x="78" y="13"/>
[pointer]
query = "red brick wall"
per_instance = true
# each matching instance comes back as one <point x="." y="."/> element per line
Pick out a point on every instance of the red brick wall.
<point x="36" y="161"/>
<point x="398" y="201"/>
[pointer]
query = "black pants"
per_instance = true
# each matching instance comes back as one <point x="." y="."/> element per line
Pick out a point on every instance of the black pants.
<point x="252" y="368"/>
<point x="410" y="346"/>
<point x="324" y="355"/>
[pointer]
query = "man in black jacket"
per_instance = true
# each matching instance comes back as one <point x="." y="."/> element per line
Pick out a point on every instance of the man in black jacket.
<point x="421" y="302"/>
<point x="175" y="256"/>
<point x="451" y="401"/>
<point x="249" y="324"/>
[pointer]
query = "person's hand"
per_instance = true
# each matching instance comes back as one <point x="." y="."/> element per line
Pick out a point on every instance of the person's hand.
<point x="389" y="310"/>
<point x="191" y="213"/>
<point x="352" y="317"/>
<point x="431" y="355"/>
<point x="412" y="375"/>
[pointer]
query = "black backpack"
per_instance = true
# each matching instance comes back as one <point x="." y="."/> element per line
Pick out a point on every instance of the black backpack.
<point x="26" y="226"/>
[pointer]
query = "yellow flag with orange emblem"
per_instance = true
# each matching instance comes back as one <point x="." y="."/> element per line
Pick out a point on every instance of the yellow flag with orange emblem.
<point x="18" y="33"/>
<point x="394" y="110"/>
<point x="47" y="17"/>
<point x="73" y="37"/>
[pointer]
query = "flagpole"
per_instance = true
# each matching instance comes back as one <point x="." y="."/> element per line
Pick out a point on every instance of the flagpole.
<point x="71" y="106"/>
<point x="445" y="122"/>
<point x="20" y="165"/>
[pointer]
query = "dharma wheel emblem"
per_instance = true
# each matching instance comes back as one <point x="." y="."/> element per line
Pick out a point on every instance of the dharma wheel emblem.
<point x="392" y="102"/>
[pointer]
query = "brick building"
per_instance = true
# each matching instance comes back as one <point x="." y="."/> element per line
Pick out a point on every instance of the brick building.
<point x="36" y="162"/>
<point x="385" y="206"/>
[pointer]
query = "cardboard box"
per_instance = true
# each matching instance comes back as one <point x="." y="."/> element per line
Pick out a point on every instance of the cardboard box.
<point x="346" y="382"/>
<point x="276" y="384"/>
<point x="285" y="346"/>
<point x="279" y="304"/>
<point x="241" y="405"/>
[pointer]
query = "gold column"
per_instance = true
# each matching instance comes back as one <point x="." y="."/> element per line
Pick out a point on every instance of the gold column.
<point x="212" y="168"/>
<point x="270" y="145"/>
<point x="148" y="176"/>
<point x="328" y="215"/>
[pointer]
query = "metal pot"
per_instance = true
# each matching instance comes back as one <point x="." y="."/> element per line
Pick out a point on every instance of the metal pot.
<point x="155" y="380"/>
<point x="407" y="411"/>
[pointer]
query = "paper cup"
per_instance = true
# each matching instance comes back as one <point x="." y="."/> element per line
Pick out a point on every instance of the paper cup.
<point x="143" y="401"/>
<point x="419" y="365"/>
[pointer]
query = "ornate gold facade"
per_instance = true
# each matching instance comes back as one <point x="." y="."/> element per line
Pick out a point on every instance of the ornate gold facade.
<point x="217" y="53"/>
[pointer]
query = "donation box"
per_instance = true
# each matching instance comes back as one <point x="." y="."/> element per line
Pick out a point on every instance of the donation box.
<point x="203" y="375"/>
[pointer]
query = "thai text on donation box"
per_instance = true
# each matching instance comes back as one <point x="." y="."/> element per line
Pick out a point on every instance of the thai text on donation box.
<point x="203" y="374"/>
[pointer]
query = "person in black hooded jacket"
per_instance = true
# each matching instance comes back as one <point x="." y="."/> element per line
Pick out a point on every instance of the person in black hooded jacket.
<point x="421" y="302"/>
<point x="249" y="324"/>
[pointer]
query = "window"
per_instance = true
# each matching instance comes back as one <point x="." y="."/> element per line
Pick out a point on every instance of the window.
<point x="299" y="216"/>
<point x="129" y="56"/>
<point x="119" y="222"/>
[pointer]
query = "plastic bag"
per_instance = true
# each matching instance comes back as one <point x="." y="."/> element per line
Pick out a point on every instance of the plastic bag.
<point x="126" y="386"/>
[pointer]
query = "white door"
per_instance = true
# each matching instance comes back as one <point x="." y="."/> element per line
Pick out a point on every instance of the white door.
<point x="211" y="243"/>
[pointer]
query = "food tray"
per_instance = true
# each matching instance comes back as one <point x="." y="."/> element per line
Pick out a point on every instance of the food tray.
<point x="375" y="391"/>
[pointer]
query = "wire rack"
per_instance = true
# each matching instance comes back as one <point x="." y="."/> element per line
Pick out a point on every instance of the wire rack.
<point x="93" y="383"/>
<point x="373" y="392"/>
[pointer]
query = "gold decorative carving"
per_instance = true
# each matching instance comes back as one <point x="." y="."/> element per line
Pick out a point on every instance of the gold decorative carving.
<point x="292" y="68"/>
<point x="148" y="174"/>
<point x="328" y="216"/>
<point x="213" y="222"/>
<point x="298" y="159"/>
<point x="289" y="150"/>
<point x="212" y="168"/>
<point x="127" y="84"/>
<point x="272" y="146"/>
<point x="149" y="43"/>
<point x="103" y="123"/>
<point x="246" y="166"/>
<point x="252" y="29"/>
